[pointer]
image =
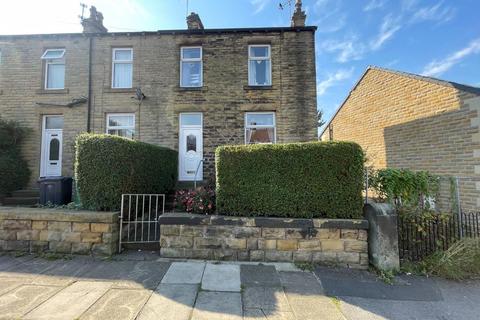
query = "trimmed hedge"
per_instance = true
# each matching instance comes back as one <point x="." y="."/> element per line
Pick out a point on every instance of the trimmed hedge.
<point x="14" y="171"/>
<point x="298" y="180"/>
<point x="107" y="166"/>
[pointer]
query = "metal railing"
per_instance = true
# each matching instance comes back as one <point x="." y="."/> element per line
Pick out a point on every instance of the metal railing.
<point x="139" y="215"/>
<point x="196" y="172"/>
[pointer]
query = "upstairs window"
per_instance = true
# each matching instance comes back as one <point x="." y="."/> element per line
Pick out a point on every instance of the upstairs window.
<point x="191" y="67"/>
<point x="54" y="69"/>
<point x="122" y="61"/>
<point x="259" y="65"/>
<point x="260" y="127"/>
<point x="121" y="124"/>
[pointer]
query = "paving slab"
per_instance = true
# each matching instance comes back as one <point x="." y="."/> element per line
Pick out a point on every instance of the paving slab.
<point x="306" y="298"/>
<point x="257" y="314"/>
<point x="363" y="284"/>
<point x="170" y="301"/>
<point x="221" y="277"/>
<point x="218" y="306"/>
<point x="265" y="298"/>
<point x="259" y="276"/>
<point x="118" y="304"/>
<point x="184" y="273"/>
<point x="8" y="284"/>
<point x="71" y="302"/>
<point x="24" y="299"/>
<point x="128" y="274"/>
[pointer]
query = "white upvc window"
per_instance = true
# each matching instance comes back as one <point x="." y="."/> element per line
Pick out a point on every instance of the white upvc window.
<point x="191" y="67"/>
<point x="260" y="127"/>
<point x="54" y="69"/>
<point x="259" y="65"/>
<point x="121" y="124"/>
<point x="122" y="65"/>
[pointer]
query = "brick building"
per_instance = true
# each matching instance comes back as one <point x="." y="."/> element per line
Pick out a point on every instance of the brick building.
<point x="191" y="90"/>
<point x="409" y="121"/>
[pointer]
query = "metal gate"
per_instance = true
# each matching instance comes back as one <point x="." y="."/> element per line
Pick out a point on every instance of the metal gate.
<point x="139" y="218"/>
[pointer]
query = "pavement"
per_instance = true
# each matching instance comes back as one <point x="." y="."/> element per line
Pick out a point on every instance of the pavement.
<point x="144" y="286"/>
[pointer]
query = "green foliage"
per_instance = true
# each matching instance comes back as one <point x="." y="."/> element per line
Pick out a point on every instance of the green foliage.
<point x="460" y="261"/>
<point x="107" y="166"/>
<point x="404" y="187"/>
<point x="14" y="171"/>
<point x="301" y="180"/>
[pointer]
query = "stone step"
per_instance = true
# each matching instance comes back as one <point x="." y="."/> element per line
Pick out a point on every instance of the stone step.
<point x="26" y="193"/>
<point x="20" y="201"/>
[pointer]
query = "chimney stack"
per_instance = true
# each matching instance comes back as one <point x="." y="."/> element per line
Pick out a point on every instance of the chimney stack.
<point x="94" y="23"/>
<point x="299" y="16"/>
<point x="194" y="22"/>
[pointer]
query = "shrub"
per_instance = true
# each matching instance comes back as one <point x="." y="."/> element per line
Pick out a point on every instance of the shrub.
<point x="14" y="171"/>
<point x="107" y="166"/>
<point x="200" y="200"/>
<point x="302" y="180"/>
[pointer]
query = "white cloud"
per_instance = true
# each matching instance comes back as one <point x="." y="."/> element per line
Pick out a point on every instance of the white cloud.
<point x="374" y="4"/>
<point x="348" y="50"/>
<point x="259" y="5"/>
<point x="329" y="16"/>
<point x="437" y="12"/>
<point x="388" y="28"/>
<point x="333" y="79"/>
<point x="437" y="67"/>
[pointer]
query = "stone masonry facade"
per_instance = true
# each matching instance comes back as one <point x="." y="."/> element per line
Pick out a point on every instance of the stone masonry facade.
<point x="223" y="99"/>
<point x="58" y="231"/>
<point x="333" y="242"/>
<point x="408" y="121"/>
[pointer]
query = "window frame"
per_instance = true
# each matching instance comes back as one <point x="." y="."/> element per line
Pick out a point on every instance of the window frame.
<point x="247" y="126"/>
<point x="268" y="58"/>
<point x="53" y="61"/>
<point x="108" y="127"/>
<point x="200" y="59"/>
<point x="115" y="61"/>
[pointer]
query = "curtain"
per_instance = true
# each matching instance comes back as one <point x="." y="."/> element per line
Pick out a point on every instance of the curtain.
<point x="122" y="75"/>
<point x="56" y="76"/>
<point x="191" y="76"/>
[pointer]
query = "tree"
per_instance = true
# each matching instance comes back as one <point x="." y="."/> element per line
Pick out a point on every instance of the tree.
<point x="320" y="120"/>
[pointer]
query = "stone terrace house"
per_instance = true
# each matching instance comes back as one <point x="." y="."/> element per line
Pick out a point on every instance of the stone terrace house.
<point x="404" y="120"/>
<point x="191" y="90"/>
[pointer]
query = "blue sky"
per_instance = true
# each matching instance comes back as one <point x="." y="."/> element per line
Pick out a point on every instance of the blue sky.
<point x="430" y="37"/>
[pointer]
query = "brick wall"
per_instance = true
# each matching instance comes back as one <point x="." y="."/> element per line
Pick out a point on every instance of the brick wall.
<point x="336" y="242"/>
<point x="59" y="231"/>
<point x="223" y="100"/>
<point x="404" y="122"/>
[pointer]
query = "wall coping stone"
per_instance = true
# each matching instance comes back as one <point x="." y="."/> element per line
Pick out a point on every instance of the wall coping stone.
<point x="181" y="218"/>
<point x="22" y="213"/>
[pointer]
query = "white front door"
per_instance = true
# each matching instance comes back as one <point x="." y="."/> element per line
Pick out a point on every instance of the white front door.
<point x="190" y="147"/>
<point x="52" y="143"/>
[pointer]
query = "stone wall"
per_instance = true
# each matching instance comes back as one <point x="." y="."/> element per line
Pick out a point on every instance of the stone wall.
<point x="324" y="241"/>
<point x="223" y="99"/>
<point x="60" y="231"/>
<point x="405" y="121"/>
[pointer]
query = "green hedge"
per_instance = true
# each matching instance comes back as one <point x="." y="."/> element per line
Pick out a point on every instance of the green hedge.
<point x="301" y="180"/>
<point x="107" y="166"/>
<point x="14" y="171"/>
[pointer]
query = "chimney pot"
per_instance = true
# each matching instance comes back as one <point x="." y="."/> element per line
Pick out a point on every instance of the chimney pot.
<point x="94" y="23"/>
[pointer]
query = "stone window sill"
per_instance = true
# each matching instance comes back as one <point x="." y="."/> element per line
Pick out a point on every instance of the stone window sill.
<point x="55" y="91"/>
<point x="119" y="90"/>
<point x="257" y="87"/>
<point x="201" y="89"/>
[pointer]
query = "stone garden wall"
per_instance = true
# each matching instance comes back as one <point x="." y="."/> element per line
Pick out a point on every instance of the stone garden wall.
<point x="325" y="241"/>
<point x="60" y="231"/>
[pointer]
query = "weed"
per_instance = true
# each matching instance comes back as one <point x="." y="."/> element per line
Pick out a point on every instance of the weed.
<point x="305" y="266"/>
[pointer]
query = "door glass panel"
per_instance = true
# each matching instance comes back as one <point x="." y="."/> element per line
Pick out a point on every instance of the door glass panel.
<point x="191" y="143"/>
<point x="54" y="150"/>
<point x="54" y="123"/>
<point x="191" y="119"/>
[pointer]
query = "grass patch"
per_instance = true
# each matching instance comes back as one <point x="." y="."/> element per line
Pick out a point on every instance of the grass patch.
<point x="304" y="266"/>
<point x="460" y="262"/>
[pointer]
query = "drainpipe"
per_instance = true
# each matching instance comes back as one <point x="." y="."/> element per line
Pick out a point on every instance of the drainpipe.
<point x="89" y="105"/>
